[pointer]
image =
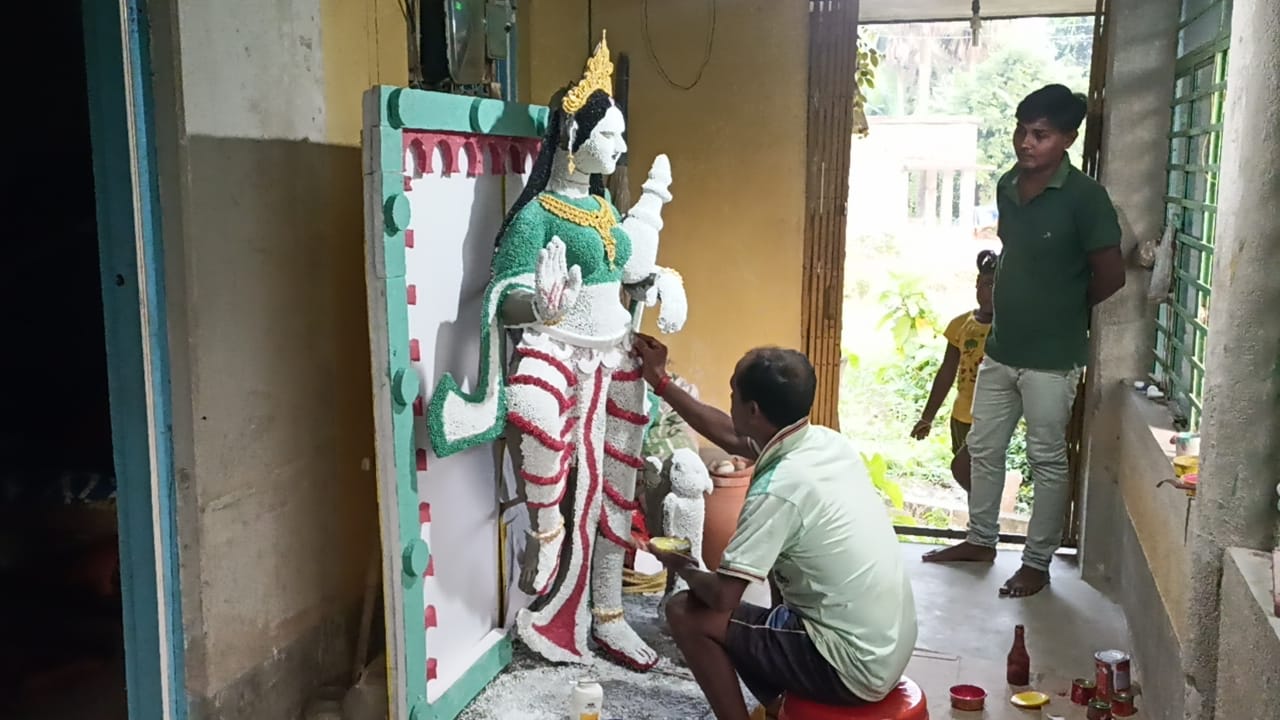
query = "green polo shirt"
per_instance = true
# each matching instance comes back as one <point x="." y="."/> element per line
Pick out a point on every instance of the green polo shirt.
<point x="1042" y="281"/>
<point x="813" y="519"/>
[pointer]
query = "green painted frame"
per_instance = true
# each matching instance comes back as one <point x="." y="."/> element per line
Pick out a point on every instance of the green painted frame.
<point x="118" y="59"/>
<point x="388" y="112"/>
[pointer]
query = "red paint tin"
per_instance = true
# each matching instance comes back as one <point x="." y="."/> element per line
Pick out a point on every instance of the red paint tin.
<point x="1099" y="710"/>
<point x="1112" y="673"/>
<point x="1122" y="705"/>
<point x="1082" y="691"/>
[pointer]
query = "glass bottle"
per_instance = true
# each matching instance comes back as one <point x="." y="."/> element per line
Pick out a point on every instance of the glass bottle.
<point x="1018" y="670"/>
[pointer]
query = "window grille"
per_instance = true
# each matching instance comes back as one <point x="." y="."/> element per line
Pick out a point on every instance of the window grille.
<point x="1191" y="201"/>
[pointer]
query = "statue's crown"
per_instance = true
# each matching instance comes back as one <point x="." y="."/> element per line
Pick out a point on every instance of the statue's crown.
<point x="598" y="76"/>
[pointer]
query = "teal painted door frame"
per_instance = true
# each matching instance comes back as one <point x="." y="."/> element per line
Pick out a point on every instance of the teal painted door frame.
<point x="117" y="53"/>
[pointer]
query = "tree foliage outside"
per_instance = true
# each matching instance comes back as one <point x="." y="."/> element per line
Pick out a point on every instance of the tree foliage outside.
<point x="934" y="69"/>
<point x="992" y="92"/>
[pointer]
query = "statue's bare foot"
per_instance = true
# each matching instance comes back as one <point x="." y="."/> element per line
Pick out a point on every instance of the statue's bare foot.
<point x="1026" y="582"/>
<point x="964" y="552"/>
<point x="621" y="643"/>
<point x="535" y="637"/>
<point x="540" y="561"/>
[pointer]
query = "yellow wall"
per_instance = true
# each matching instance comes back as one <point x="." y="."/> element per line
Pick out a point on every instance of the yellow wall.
<point x="735" y="229"/>
<point x="365" y="44"/>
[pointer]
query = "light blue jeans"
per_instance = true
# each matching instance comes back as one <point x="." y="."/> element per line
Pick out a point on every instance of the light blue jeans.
<point x="1002" y="396"/>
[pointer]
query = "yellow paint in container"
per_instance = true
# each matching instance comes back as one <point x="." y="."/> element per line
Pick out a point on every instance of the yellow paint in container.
<point x="1186" y="465"/>
<point x="679" y="546"/>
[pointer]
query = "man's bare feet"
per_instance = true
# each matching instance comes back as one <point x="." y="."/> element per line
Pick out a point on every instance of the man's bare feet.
<point x="964" y="552"/>
<point x="1026" y="582"/>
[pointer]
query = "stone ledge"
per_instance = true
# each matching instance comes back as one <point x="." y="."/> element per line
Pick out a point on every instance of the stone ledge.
<point x="1249" y="637"/>
<point x="1158" y="514"/>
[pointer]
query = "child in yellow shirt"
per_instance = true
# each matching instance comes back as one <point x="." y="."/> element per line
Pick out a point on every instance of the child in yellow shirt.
<point x="966" y="344"/>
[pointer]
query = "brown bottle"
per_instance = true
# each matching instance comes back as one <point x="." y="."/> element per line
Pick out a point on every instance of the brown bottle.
<point x="1018" y="671"/>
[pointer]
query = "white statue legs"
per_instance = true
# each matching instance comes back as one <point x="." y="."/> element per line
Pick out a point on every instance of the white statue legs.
<point x="624" y="434"/>
<point x="601" y="438"/>
<point x="539" y="396"/>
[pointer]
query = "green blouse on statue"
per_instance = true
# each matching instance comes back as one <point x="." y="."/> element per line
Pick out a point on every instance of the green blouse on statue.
<point x="589" y="227"/>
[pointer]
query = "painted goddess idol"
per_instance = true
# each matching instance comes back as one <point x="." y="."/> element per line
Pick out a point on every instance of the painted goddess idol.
<point x="566" y="263"/>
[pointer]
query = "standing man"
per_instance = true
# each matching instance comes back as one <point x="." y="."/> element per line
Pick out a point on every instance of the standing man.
<point x="846" y="626"/>
<point x="1061" y="257"/>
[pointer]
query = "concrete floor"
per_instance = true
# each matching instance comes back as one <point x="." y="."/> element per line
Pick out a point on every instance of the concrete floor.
<point x="965" y="633"/>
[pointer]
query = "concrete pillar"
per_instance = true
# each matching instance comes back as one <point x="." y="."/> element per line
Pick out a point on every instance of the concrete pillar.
<point x="1135" y="147"/>
<point x="1240" y="461"/>
<point x="930" y="214"/>
<point x="968" y="195"/>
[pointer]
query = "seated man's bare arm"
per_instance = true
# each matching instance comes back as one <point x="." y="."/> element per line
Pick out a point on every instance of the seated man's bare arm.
<point x="709" y="422"/>
<point x="721" y="593"/>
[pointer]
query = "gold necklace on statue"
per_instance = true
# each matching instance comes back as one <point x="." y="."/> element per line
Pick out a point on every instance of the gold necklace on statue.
<point x="601" y="220"/>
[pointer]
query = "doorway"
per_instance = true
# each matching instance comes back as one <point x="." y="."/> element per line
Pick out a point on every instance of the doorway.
<point x="921" y="209"/>
<point x="59" y="537"/>
<point x="87" y="548"/>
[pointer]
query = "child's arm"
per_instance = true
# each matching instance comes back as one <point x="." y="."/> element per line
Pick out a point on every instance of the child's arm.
<point x="942" y="383"/>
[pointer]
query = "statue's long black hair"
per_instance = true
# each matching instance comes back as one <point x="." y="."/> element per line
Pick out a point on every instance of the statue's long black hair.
<point x="555" y="140"/>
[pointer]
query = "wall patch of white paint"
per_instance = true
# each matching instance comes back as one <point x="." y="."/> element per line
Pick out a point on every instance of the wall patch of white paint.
<point x="252" y="69"/>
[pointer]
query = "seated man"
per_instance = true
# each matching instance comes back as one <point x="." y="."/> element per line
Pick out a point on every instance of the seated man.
<point x="846" y="626"/>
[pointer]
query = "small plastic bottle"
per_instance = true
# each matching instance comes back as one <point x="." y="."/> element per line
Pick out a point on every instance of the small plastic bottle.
<point x="587" y="702"/>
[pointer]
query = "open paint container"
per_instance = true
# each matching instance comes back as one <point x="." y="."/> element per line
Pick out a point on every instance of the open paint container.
<point x="968" y="697"/>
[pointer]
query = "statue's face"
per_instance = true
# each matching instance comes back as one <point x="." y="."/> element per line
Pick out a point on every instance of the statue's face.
<point x="599" y="155"/>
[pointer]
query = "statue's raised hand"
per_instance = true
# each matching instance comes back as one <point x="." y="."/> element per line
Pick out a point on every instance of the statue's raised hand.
<point x="659" y="181"/>
<point x="556" y="285"/>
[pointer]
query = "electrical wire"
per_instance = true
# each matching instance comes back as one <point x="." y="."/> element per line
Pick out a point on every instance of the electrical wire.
<point x="653" y="55"/>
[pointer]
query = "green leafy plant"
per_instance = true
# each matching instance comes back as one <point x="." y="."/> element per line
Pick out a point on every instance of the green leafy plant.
<point x="937" y="518"/>
<point x="888" y="395"/>
<point x="864" y="80"/>
<point x="878" y="469"/>
<point x="909" y="315"/>
<point x="1016" y="461"/>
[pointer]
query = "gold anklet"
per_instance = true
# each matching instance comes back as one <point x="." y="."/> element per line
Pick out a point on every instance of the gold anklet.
<point x="548" y="536"/>
<point x="606" y="616"/>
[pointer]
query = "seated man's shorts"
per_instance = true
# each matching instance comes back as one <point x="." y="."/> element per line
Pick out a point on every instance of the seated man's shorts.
<point x="773" y="654"/>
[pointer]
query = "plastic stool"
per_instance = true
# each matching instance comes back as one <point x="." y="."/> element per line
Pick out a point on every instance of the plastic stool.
<point x="906" y="702"/>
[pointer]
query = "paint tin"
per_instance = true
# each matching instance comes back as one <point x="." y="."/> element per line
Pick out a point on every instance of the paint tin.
<point x="1122" y="705"/>
<point x="1083" y="690"/>
<point x="1112" y="673"/>
<point x="1099" y="710"/>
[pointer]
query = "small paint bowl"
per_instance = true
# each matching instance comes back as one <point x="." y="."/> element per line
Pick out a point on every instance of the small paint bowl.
<point x="1029" y="700"/>
<point x="968" y="697"/>
<point x="679" y="546"/>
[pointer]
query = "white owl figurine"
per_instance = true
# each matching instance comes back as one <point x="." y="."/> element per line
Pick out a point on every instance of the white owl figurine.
<point x="684" y="509"/>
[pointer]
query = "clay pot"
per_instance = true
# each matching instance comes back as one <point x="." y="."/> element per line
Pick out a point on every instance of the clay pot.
<point x="724" y="505"/>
